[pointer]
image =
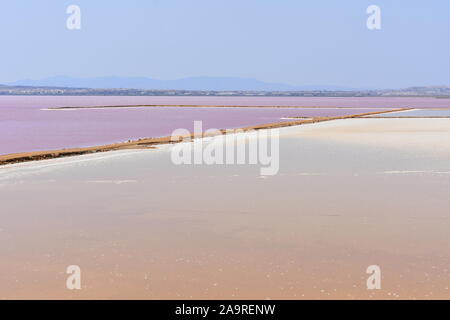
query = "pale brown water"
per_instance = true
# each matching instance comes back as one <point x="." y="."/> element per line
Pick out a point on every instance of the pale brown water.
<point x="349" y="194"/>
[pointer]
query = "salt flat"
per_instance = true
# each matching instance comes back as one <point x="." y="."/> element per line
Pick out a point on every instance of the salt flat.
<point x="349" y="194"/>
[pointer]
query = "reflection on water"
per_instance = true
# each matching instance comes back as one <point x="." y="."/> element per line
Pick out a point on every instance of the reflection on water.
<point x="141" y="227"/>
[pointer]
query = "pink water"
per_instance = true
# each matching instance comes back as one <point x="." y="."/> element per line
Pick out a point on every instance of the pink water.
<point x="363" y="102"/>
<point x="24" y="126"/>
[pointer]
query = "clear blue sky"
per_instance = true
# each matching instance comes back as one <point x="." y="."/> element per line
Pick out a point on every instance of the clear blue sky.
<point x="291" y="41"/>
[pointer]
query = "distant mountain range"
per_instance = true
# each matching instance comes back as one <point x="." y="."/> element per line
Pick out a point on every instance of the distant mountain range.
<point x="191" y="83"/>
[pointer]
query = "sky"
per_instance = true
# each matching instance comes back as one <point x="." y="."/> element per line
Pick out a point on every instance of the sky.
<point x="314" y="42"/>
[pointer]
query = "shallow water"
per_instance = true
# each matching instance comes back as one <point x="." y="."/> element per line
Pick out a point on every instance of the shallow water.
<point x="417" y="113"/>
<point x="26" y="125"/>
<point x="357" y="102"/>
<point x="349" y="194"/>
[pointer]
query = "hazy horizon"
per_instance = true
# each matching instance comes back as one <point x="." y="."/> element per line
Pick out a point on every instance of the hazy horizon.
<point x="187" y="83"/>
<point x="201" y="83"/>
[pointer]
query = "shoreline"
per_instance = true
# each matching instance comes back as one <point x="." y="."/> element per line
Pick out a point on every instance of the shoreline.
<point x="150" y="143"/>
<point x="204" y="106"/>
